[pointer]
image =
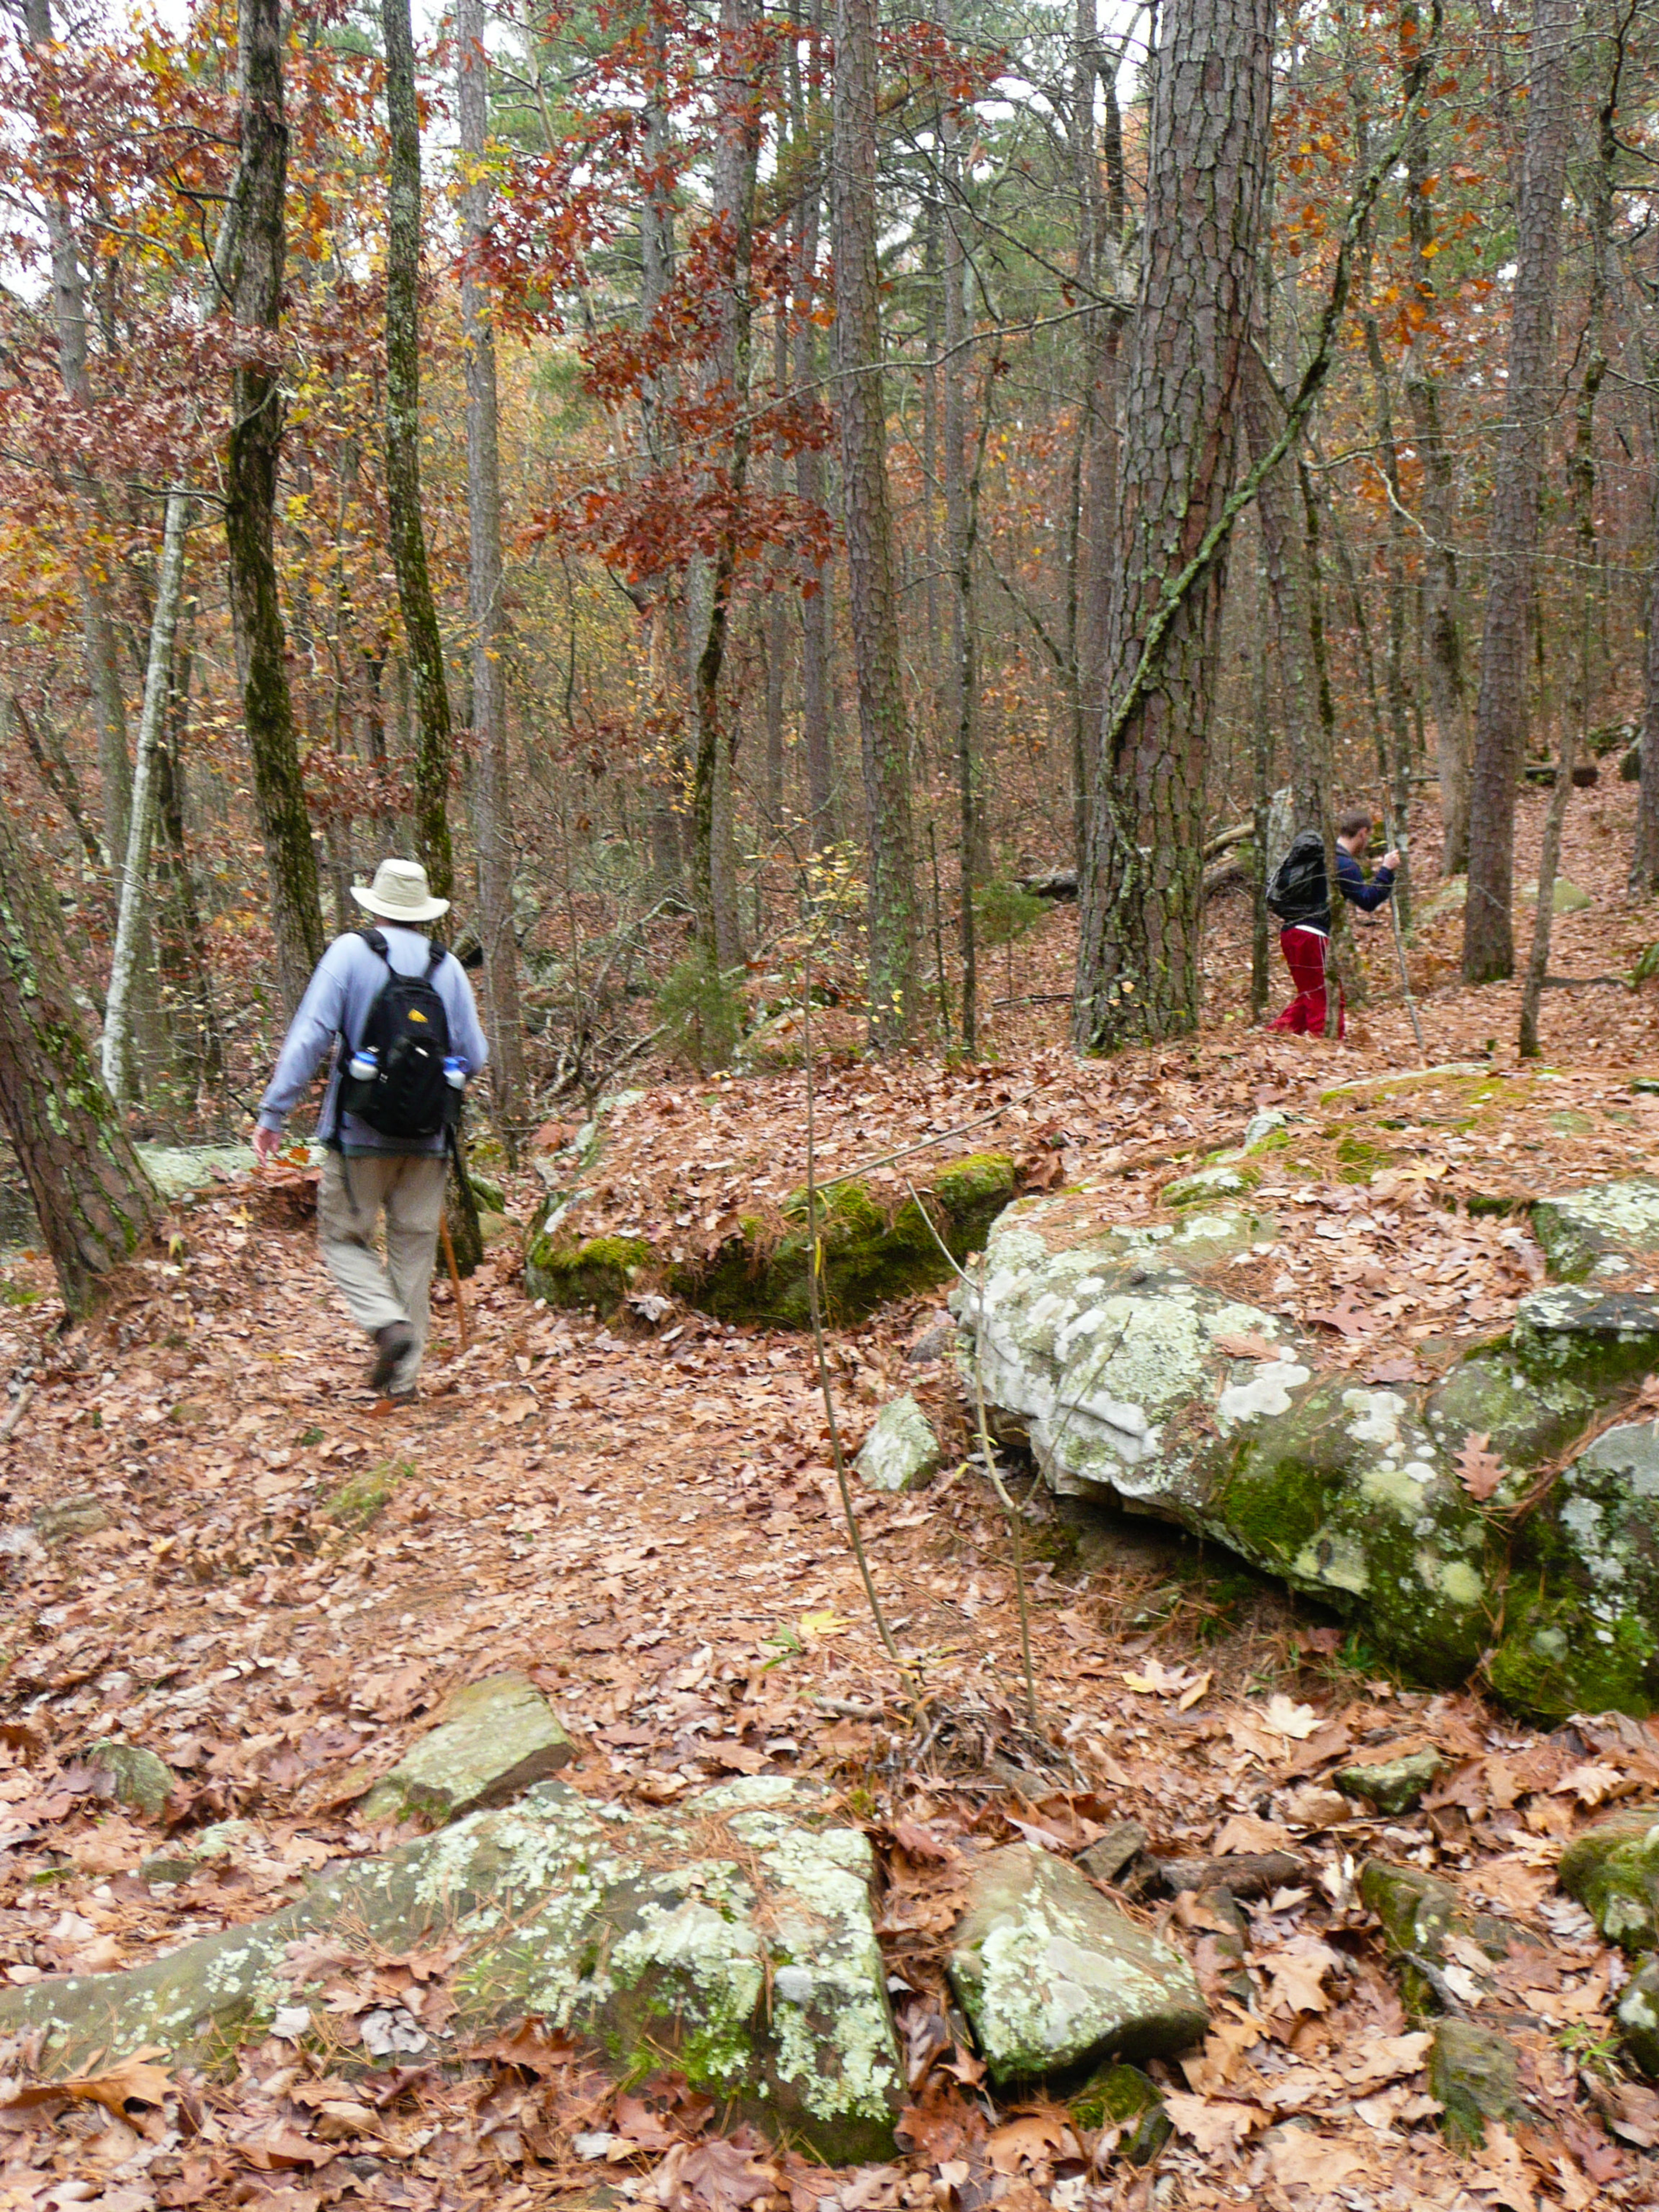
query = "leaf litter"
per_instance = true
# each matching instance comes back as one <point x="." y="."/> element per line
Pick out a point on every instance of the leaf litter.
<point x="274" y="1590"/>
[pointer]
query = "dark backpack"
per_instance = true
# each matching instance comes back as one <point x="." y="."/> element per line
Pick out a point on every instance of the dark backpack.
<point x="1298" y="889"/>
<point x="408" y="1098"/>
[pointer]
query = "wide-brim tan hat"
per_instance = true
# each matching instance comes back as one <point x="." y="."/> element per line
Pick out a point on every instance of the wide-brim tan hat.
<point x="400" y="893"/>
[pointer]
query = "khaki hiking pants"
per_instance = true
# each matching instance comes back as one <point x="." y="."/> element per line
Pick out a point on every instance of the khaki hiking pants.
<point x="409" y="1186"/>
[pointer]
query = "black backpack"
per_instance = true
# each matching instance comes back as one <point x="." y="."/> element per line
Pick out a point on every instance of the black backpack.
<point x="409" y="1097"/>
<point x="1298" y="889"/>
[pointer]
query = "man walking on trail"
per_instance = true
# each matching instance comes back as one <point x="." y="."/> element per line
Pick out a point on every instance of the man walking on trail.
<point x="1299" y="895"/>
<point x="401" y="1011"/>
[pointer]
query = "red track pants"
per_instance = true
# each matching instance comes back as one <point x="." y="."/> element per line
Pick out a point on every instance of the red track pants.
<point x="1304" y="956"/>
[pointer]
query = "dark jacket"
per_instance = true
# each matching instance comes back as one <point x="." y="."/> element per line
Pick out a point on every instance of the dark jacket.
<point x="1312" y="908"/>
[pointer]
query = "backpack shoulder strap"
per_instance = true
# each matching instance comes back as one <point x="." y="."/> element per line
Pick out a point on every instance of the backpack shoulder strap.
<point x="435" y="957"/>
<point x="375" y="942"/>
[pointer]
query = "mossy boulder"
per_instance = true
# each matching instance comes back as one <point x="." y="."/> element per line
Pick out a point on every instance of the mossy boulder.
<point x="1126" y="1360"/>
<point x="1474" y="2072"/>
<point x="1612" y="1867"/>
<point x="1051" y="1976"/>
<point x="597" y="1271"/>
<point x="732" y="1939"/>
<point x="1637" y="2014"/>
<point x="874" y="1250"/>
<point x="131" y="1775"/>
<point x="1129" y="2102"/>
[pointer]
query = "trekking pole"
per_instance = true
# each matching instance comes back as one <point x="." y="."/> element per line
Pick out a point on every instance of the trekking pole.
<point x="1405" y="979"/>
<point x="454" y="1278"/>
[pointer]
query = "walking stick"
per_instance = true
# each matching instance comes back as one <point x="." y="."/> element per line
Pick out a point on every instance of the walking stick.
<point x="454" y="1278"/>
<point x="1405" y="979"/>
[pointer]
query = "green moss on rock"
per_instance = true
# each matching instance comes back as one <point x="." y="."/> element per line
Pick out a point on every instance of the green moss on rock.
<point x="1474" y="2071"/>
<point x="597" y="1274"/>
<point x="1612" y="1867"/>
<point x="1121" y="2096"/>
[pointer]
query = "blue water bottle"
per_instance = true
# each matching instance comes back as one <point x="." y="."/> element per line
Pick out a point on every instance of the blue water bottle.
<point x="364" y="1064"/>
<point x="455" y="1072"/>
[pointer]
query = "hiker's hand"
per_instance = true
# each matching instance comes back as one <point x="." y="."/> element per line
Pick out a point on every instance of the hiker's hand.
<point x="267" y="1143"/>
<point x="1391" y="861"/>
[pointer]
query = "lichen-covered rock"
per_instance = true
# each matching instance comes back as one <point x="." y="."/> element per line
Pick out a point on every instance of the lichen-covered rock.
<point x="1127" y="1361"/>
<point x="1576" y="1228"/>
<point x="1612" y="1867"/>
<point x="732" y="1939"/>
<point x="901" y="1451"/>
<point x="1106" y="1857"/>
<point x="187" y="1854"/>
<point x="1637" y="2014"/>
<point x="133" y="1776"/>
<point x="492" y="1739"/>
<point x="1418" y="1912"/>
<point x="595" y="1271"/>
<point x="66" y="1518"/>
<point x="1394" y="1786"/>
<point x="1129" y="2102"/>
<point x="1474" y="2073"/>
<point x="176" y="1170"/>
<point x="1051" y="1976"/>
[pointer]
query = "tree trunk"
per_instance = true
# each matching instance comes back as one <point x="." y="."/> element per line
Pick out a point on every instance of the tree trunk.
<point x="777" y="621"/>
<point x="1501" y="706"/>
<point x="97" y="611"/>
<point x="1443" y="633"/>
<point x="815" y="606"/>
<point x="1098" y="248"/>
<point x="94" y="1202"/>
<point x="434" y="754"/>
<point x="1141" y="883"/>
<point x="736" y="154"/>
<point x="252" y="273"/>
<point x="1644" y="857"/>
<point x="492" y="821"/>
<point x="134" y="871"/>
<point x="883" y="724"/>
<point x="1284" y="558"/>
<point x="197" y="1047"/>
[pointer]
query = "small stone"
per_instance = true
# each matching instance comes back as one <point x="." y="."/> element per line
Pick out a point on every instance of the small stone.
<point x="901" y="1452"/>
<point x="185" y="1857"/>
<point x="1261" y="1125"/>
<point x="1224" y="1949"/>
<point x="1106" y="1857"/>
<point x="492" y="1740"/>
<point x="936" y="1341"/>
<point x="1473" y="2073"/>
<point x="1637" y="2014"/>
<point x="137" y="1777"/>
<point x="1246" y="1873"/>
<point x="69" y="1518"/>
<point x="1395" y="1786"/>
<point x="1051" y="1976"/>
<point x="1130" y="2103"/>
<point x="1612" y="1867"/>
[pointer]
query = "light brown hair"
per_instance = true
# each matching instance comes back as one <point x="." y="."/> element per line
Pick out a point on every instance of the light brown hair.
<point x="1355" y="818"/>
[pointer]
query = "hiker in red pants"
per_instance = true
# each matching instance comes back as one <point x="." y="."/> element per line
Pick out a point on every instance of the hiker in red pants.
<point x="1300" y="896"/>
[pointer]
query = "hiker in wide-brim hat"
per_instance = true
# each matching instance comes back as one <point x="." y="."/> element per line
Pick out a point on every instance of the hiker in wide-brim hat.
<point x="398" y="1013"/>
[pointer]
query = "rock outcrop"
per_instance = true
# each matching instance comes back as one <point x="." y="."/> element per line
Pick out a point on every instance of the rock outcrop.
<point x="492" y="1739"/>
<point x="901" y="1452"/>
<point x="1127" y="1361"/>
<point x="732" y="1938"/>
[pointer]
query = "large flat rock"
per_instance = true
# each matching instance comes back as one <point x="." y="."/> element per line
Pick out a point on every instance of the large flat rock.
<point x="1054" y="1977"/>
<point x="732" y="1938"/>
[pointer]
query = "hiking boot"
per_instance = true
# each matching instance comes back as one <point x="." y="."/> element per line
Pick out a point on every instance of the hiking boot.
<point x="392" y="1345"/>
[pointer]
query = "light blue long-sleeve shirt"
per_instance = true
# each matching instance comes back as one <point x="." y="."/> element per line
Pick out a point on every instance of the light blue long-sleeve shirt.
<point x="349" y="977"/>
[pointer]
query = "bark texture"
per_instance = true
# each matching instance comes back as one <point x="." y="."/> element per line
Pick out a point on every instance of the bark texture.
<point x="94" y="1202"/>
<point x="251" y="272"/>
<point x="1140" y="884"/>
<point x="883" y="730"/>
<point x="492" y="825"/>
<point x="435" y="753"/>
<point x="1500" y="725"/>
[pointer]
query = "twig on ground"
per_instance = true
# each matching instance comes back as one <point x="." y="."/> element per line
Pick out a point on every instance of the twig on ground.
<point x="20" y="1407"/>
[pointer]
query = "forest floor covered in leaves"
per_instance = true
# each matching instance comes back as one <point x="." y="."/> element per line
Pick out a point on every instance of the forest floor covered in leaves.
<point x="214" y="1547"/>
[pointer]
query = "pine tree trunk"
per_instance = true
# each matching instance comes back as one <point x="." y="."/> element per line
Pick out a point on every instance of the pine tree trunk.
<point x="492" y="817"/>
<point x="1100" y="229"/>
<point x="96" y="1204"/>
<point x="1284" y="556"/>
<point x="815" y="606"/>
<point x="434" y="754"/>
<point x="1500" y="725"/>
<point x="197" y="1047"/>
<point x="1139" y="972"/>
<point x="251" y="272"/>
<point x="883" y="724"/>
